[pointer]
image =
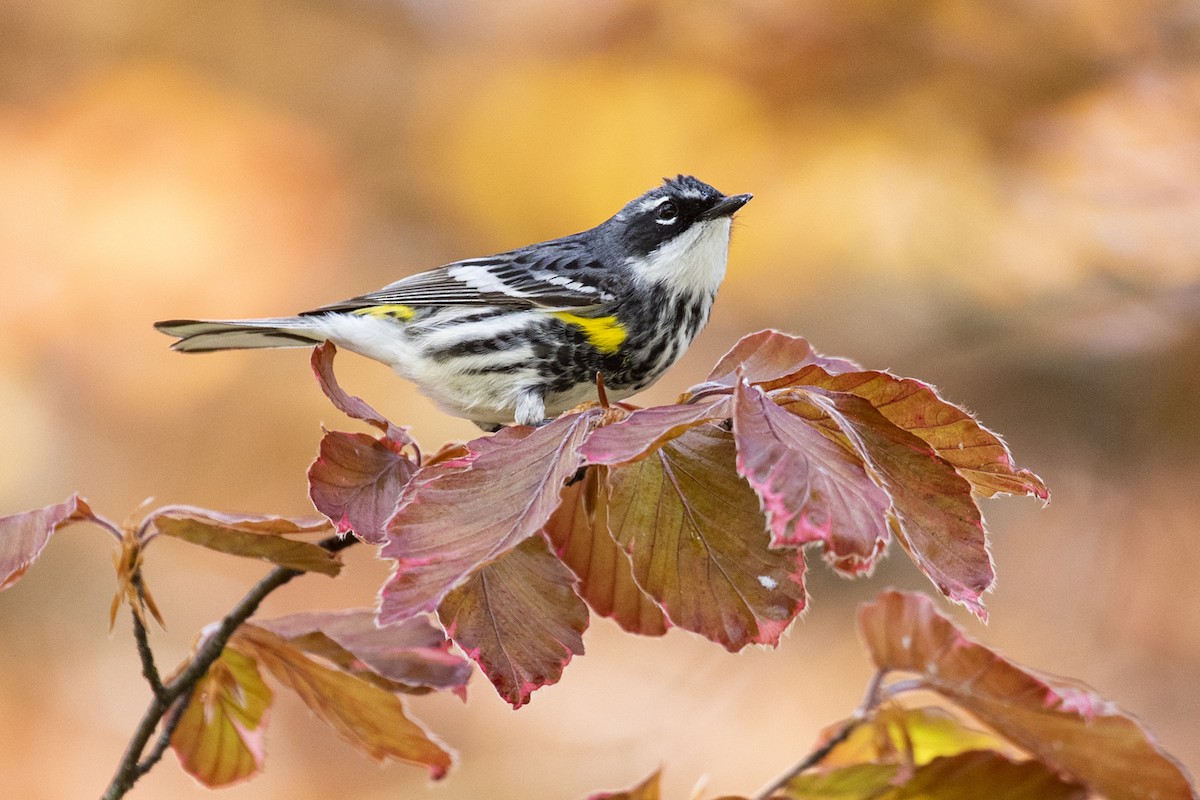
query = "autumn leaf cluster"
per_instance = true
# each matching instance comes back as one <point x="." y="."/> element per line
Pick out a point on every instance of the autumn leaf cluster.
<point x="699" y="515"/>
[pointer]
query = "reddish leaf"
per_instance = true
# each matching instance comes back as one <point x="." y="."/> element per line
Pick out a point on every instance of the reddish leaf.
<point x="249" y="536"/>
<point x="699" y="545"/>
<point x="356" y="482"/>
<point x="934" y="513"/>
<point x="220" y="735"/>
<point x="768" y="357"/>
<point x="463" y="518"/>
<point x="979" y="455"/>
<point x="368" y="717"/>
<point x="1067" y="727"/>
<point x="408" y="655"/>
<point x="648" y="789"/>
<point x="579" y="533"/>
<point x="646" y="430"/>
<point x="811" y="488"/>
<point x="23" y="536"/>
<point x="519" y="618"/>
<point x="351" y="406"/>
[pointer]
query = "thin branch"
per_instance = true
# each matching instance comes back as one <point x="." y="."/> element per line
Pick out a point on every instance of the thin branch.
<point x="164" y="737"/>
<point x="149" y="668"/>
<point x="132" y="766"/>
<point x="869" y="703"/>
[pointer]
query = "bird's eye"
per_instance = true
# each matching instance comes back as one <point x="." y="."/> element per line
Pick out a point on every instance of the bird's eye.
<point x="667" y="212"/>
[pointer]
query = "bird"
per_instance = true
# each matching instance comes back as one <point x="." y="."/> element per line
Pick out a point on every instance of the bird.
<point x="520" y="336"/>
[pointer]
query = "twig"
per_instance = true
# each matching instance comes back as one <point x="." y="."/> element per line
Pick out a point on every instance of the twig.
<point x="860" y="716"/>
<point x="164" y="737"/>
<point x="149" y="668"/>
<point x="175" y="692"/>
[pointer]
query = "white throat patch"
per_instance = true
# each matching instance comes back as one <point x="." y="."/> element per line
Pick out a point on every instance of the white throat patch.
<point x="692" y="261"/>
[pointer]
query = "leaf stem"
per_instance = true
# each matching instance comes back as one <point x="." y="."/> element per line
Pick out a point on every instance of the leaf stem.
<point x="869" y="703"/>
<point x="173" y="695"/>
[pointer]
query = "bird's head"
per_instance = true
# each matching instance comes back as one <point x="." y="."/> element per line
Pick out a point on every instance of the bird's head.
<point x="678" y="233"/>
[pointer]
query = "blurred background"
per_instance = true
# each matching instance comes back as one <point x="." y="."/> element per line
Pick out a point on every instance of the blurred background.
<point x="1002" y="198"/>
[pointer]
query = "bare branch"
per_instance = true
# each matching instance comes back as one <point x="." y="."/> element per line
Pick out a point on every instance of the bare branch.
<point x="861" y="714"/>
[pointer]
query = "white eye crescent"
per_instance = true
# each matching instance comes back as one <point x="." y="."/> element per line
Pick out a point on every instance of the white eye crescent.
<point x="667" y="213"/>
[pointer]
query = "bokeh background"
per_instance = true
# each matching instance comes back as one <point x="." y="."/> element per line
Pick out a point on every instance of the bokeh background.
<point x="1002" y="198"/>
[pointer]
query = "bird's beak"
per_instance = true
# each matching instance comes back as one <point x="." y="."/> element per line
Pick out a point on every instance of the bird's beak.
<point x="727" y="206"/>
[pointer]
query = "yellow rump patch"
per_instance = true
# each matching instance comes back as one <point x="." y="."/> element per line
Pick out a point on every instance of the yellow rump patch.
<point x="606" y="334"/>
<point x="394" y="310"/>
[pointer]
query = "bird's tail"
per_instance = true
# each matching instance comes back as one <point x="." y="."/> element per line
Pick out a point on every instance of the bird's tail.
<point x="204" y="336"/>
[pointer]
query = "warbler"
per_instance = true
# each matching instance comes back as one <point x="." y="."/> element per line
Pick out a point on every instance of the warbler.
<point x="520" y="336"/>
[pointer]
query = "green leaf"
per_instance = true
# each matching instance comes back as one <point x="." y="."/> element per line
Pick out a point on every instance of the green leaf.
<point x="220" y="736"/>
<point x="249" y="536"/>
<point x="912" y="736"/>
<point x="23" y="536"/>
<point x="519" y="618"/>
<point x="698" y="542"/>
<point x="578" y="529"/>
<point x="474" y="510"/>
<point x="370" y="718"/>
<point x="1067" y="727"/>
<point x="856" y="782"/>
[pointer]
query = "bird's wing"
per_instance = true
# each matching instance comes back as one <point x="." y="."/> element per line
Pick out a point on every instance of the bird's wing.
<point x="550" y="275"/>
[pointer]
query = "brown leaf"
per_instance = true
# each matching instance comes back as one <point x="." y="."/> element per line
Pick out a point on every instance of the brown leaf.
<point x="23" y="536"/>
<point x="934" y="515"/>
<point x="978" y="454"/>
<point x="351" y="406"/>
<point x="408" y="655"/>
<point x="578" y="529"/>
<point x="357" y="481"/>
<point x="519" y="618"/>
<point x="811" y="488"/>
<point x="1067" y="727"/>
<point x="370" y="718"/>
<point x="249" y="536"/>
<point x="131" y="585"/>
<point x="220" y="736"/>
<point x="699" y="545"/>
<point x="462" y="518"/>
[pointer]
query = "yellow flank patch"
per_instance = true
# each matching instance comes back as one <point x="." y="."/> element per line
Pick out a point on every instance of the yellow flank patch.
<point x="606" y="334"/>
<point x="394" y="310"/>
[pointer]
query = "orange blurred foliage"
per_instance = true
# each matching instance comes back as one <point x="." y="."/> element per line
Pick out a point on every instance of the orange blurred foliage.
<point x="1000" y="198"/>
